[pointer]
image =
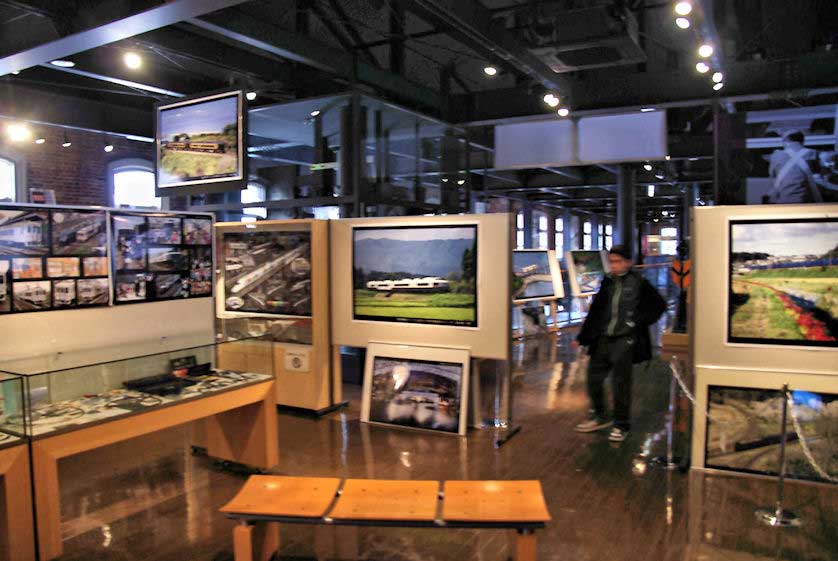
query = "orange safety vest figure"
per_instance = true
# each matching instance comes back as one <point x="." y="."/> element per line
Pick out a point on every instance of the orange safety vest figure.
<point x="680" y="273"/>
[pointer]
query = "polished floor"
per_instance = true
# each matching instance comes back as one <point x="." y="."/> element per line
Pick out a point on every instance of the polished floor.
<point x="151" y="499"/>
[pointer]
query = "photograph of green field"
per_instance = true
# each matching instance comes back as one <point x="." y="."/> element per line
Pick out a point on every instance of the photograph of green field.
<point x="416" y="275"/>
<point x="784" y="282"/>
<point x="198" y="141"/>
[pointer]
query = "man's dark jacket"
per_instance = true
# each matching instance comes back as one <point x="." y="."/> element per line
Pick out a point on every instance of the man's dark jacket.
<point x="648" y="309"/>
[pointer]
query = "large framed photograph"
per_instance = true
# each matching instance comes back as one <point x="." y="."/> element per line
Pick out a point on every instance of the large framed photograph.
<point x="744" y="431"/>
<point x="267" y="272"/>
<point x="586" y="269"/>
<point x="78" y="233"/>
<point x="30" y="296"/>
<point x="416" y="387"/>
<point x="535" y="276"/>
<point x="201" y="141"/>
<point x="415" y="274"/>
<point x="782" y="284"/>
<point x="24" y="231"/>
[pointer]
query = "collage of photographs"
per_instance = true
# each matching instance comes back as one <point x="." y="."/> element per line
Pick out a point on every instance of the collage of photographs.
<point x="52" y="259"/>
<point x="161" y="257"/>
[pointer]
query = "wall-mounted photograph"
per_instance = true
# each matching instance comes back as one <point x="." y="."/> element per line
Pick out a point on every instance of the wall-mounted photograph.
<point x="32" y="295"/>
<point x="92" y="292"/>
<point x="586" y="269"/>
<point x="131" y="287"/>
<point x="27" y="268"/>
<point x="534" y="276"/>
<point x="58" y="267"/>
<point x="267" y="272"/>
<point x="170" y="286"/>
<point x="129" y="234"/>
<point x="63" y="293"/>
<point x="167" y="259"/>
<point x="78" y="233"/>
<point x="415" y="274"/>
<point x="95" y="266"/>
<point x="23" y="232"/>
<point x="197" y="231"/>
<point x="5" y="285"/>
<point x="164" y="230"/>
<point x="783" y="275"/>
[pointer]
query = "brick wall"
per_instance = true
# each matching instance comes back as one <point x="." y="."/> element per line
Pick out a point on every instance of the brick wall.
<point x="76" y="174"/>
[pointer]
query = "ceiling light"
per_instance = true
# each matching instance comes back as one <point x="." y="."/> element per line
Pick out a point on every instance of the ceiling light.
<point x="15" y="72"/>
<point x="108" y="147"/>
<point x="132" y="60"/>
<point x="665" y="212"/>
<point x="683" y="8"/>
<point x="718" y="77"/>
<point x="563" y="112"/>
<point x="683" y="23"/>
<point x="659" y="175"/>
<point x="647" y="167"/>
<point x="250" y="96"/>
<point x="705" y="51"/>
<point x="650" y="191"/>
<point x="18" y="132"/>
<point x="445" y="180"/>
<point x="667" y="158"/>
<point x="490" y="71"/>
<point x="718" y="86"/>
<point x="40" y="140"/>
<point x="551" y="100"/>
<point x="702" y="67"/>
<point x="646" y="109"/>
<point x="461" y="182"/>
<point x="66" y="143"/>
<point x="315" y="113"/>
<point x="63" y="63"/>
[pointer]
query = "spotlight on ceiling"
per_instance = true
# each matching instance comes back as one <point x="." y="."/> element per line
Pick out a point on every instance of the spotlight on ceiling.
<point x="315" y="113"/>
<point x="132" y="60"/>
<point x="702" y="67"/>
<point x="108" y="147"/>
<point x="683" y="8"/>
<point x="650" y="191"/>
<point x="490" y="71"/>
<point x="683" y="23"/>
<point x="659" y="175"/>
<point x="646" y="109"/>
<point x="461" y="182"/>
<point x="551" y="100"/>
<point x="18" y="132"/>
<point x="250" y="96"/>
<point x="647" y="167"/>
<point x="563" y="112"/>
<point x="705" y="51"/>
<point x="718" y="86"/>
<point x="718" y="77"/>
<point x="667" y="157"/>
<point x="66" y="142"/>
<point x="63" y="63"/>
<point x="40" y="140"/>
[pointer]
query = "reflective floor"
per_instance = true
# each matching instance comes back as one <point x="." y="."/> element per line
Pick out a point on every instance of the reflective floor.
<point x="150" y="498"/>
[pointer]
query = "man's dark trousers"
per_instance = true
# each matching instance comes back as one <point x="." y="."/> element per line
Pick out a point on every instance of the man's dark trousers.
<point x="612" y="355"/>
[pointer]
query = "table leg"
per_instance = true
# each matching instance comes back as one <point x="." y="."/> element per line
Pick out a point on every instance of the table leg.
<point x="525" y="546"/>
<point x="255" y="542"/>
<point x="17" y="504"/>
<point x="47" y="502"/>
<point x="247" y="435"/>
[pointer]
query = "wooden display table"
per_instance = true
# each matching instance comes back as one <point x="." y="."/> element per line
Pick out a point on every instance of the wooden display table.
<point x="240" y="426"/>
<point x="267" y="500"/>
<point x="17" y="540"/>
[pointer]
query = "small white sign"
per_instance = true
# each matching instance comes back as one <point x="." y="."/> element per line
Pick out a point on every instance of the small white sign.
<point x="296" y="361"/>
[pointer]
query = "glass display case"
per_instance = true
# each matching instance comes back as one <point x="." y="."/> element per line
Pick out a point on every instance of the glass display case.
<point x="11" y="407"/>
<point x="55" y="398"/>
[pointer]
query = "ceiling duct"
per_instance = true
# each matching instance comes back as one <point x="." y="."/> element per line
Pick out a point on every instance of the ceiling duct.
<point x="596" y="37"/>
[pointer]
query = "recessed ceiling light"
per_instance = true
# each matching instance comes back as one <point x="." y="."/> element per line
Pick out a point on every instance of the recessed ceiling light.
<point x="63" y="63"/>
<point x="250" y="96"/>
<point x="683" y="8"/>
<point x="132" y="60"/>
<point x="718" y="86"/>
<point x="40" y="140"/>
<point x="551" y="100"/>
<point x="650" y="191"/>
<point x="683" y="23"/>
<point x="461" y="182"/>
<point x="702" y="67"/>
<point x="667" y="157"/>
<point x="563" y="112"/>
<point x="108" y="147"/>
<point x="647" y="167"/>
<point x="646" y="109"/>
<point x="490" y="71"/>
<point x="66" y="143"/>
<point x="18" y="132"/>
<point x="705" y="50"/>
<point x="718" y="77"/>
<point x="315" y="113"/>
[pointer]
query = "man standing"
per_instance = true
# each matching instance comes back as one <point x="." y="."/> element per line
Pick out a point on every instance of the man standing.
<point x="616" y="333"/>
<point x="794" y="181"/>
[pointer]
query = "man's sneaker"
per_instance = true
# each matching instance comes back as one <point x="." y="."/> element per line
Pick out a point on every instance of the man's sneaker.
<point x="592" y="425"/>
<point x="617" y="434"/>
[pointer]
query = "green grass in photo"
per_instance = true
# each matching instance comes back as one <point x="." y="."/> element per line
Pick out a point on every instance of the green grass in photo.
<point x="192" y="164"/>
<point x="763" y="316"/>
<point x="433" y="306"/>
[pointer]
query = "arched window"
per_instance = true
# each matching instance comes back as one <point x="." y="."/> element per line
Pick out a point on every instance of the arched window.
<point x="255" y="193"/>
<point x="131" y="183"/>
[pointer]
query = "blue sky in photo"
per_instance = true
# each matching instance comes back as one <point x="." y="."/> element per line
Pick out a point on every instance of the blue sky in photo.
<point x="207" y="117"/>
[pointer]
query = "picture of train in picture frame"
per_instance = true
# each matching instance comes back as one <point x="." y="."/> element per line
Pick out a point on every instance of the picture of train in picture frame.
<point x="78" y="233"/>
<point x="23" y="232"/>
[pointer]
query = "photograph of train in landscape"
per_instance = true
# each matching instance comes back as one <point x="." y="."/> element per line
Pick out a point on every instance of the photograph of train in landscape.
<point x="532" y="277"/>
<point x="78" y="233"/>
<point x="32" y="295"/>
<point x="167" y="259"/>
<point x="267" y="272"/>
<point x="586" y="269"/>
<point x="92" y="292"/>
<point x="744" y="431"/>
<point x="415" y="274"/>
<point x="783" y="285"/>
<point x="27" y="268"/>
<point x="416" y="393"/>
<point x="199" y="140"/>
<point x="63" y="293"/>
<point x="164" y="230"/>
<point x="23" y="232"/>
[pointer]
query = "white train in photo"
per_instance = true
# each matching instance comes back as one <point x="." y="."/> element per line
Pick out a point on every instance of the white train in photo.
<point x="421" y="284"/>
<point x="26" y="233"/>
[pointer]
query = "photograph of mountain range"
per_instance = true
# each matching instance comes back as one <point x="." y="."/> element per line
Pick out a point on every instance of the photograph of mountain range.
<point x="416" y="274"/>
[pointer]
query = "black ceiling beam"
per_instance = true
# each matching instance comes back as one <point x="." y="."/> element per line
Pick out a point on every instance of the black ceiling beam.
<point x="356" y="38"/>
<point x="403" y="37"/>
<point x="125" y="83"/>
<point x="396" y="41"/>
<point x="239" y="29"/>
<point x="126" y="25"/>
<point x="327" y="22"/>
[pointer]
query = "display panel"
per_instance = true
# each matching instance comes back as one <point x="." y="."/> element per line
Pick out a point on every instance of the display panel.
<point x="415" y="274"/>
<point x="200" y="141"/>
<point x="745" y="425"/>
<point x="536" y="276"/>
<point x="267" y="272"/>
<point x="587" y="269"/>
<point x="782" y="279"/>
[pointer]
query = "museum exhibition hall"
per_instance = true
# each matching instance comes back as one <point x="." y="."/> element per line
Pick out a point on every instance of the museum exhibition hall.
<point x="401" y="280"/>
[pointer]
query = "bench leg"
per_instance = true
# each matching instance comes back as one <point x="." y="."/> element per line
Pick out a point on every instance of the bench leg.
<point x="525" y="546"/>
<point x="255" y="542"/>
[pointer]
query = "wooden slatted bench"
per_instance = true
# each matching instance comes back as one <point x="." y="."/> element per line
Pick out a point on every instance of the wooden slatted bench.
<point x="266" y="501"/>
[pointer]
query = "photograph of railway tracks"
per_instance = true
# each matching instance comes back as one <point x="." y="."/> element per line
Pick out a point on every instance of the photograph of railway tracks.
<point x="198" y="140"/>
<point x="78" y="233"/>
<point x="784" y="282"/>
<point x="267" y="272"/>
<point x="416" y="274"/>
<point x="744" y="431"/>
<point x="23" y="232"/>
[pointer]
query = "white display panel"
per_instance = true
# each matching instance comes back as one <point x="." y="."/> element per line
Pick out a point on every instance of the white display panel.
<point x="631" y="137"/>
<point x="538" y="276"/>
<point x="535" y="144"/>
<point x="485" y="332"/>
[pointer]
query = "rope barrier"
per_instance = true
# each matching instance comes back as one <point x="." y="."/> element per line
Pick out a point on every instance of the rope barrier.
<point x="805" y="445"/>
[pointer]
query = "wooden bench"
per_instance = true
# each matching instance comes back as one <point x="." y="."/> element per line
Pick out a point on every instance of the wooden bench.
<point x="265" y="501"/>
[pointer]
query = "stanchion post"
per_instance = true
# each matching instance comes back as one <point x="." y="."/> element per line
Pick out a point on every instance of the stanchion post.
<point x="668" y="462"/>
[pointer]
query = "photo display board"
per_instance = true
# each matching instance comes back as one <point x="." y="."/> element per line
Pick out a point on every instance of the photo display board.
<point x="52" y="259"/>
<point x="161" y="256"/>
<point x="536" y="276"/>
<point x="745" y="427"/>
<point x="415" y="274"/>
<point x="587" y="269"/>
<point x="267" y="272"/>
<point x="783" y="282"/>
<point x="200" y="141"/>
<point x="416" y="387"/>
